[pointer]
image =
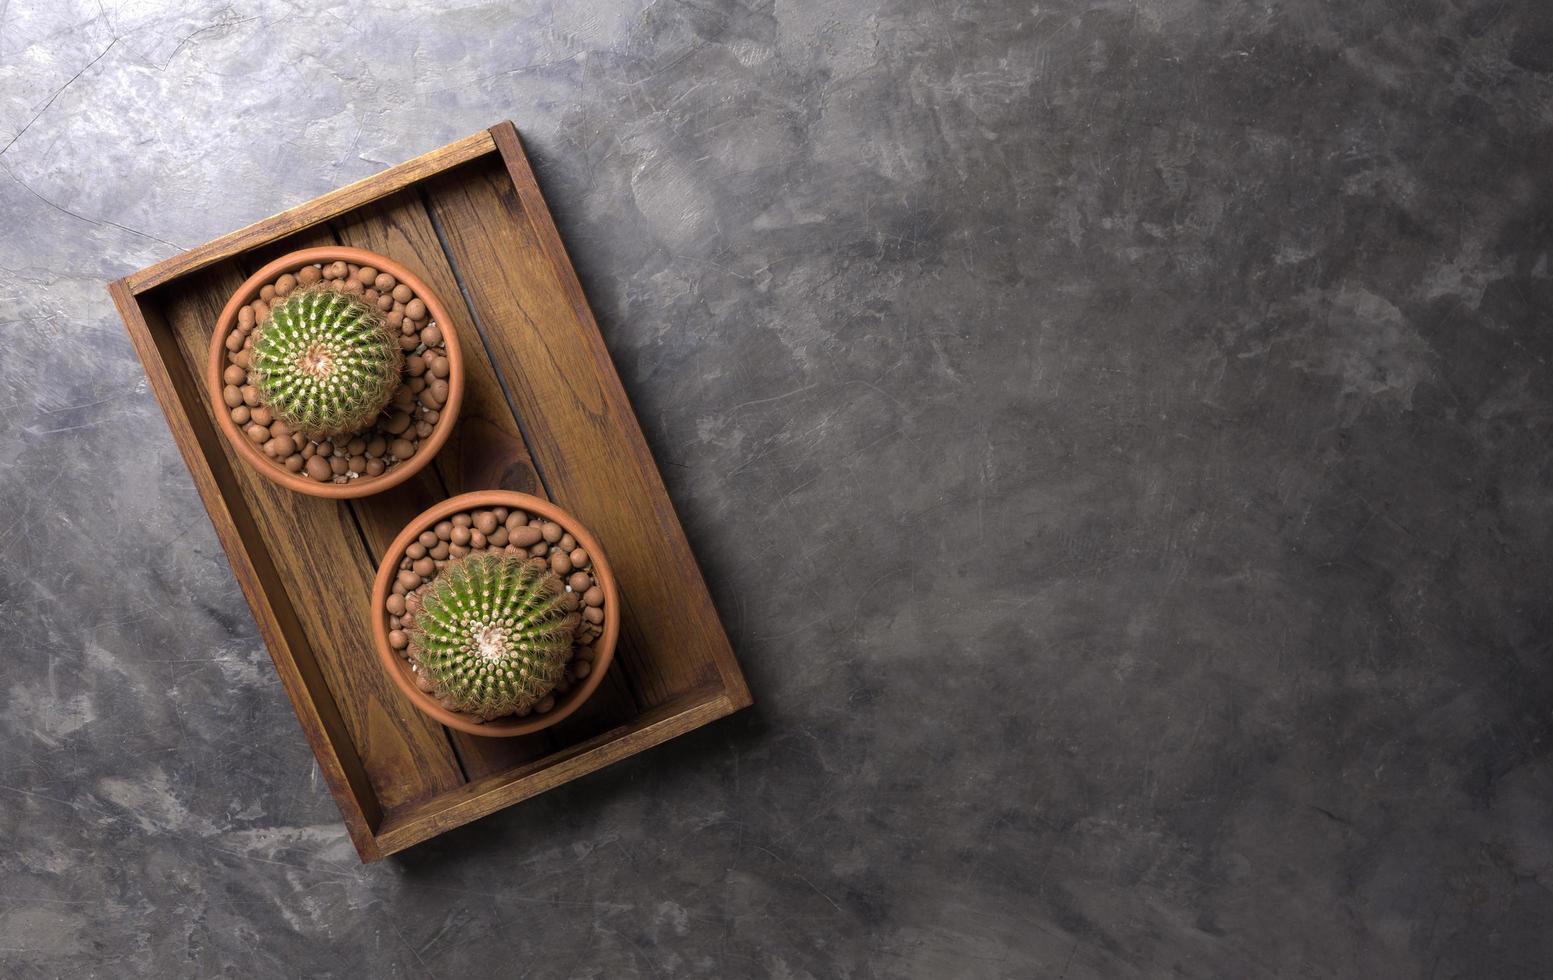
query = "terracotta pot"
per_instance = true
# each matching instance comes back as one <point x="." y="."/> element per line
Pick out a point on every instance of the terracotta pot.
<point x="365" y="485"/>
<point x="399" y="669"/>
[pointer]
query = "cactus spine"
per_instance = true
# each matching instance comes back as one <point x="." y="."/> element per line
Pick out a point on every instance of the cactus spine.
<point x="325" y="363"/>
<point x="492" y="633"/>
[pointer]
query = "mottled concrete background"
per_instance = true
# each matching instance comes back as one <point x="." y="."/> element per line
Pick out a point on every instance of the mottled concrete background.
<point x="1116" y="434"/>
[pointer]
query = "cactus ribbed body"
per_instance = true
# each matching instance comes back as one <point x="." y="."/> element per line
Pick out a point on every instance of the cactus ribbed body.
<point x="492" y="633"/>
<point x="325" y="363"/>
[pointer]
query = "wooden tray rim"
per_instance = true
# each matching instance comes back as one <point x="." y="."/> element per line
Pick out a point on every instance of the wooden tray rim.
<point x="374" y="834"/>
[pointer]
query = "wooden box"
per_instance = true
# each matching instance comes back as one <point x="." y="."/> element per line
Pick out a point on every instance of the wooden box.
<point x="544" y="413"/>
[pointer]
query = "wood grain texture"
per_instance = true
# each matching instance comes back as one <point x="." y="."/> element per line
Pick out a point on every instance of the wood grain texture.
<point x="580" y="428"/>
<point x="323" y="567"/>
<point x="319" y="209"/>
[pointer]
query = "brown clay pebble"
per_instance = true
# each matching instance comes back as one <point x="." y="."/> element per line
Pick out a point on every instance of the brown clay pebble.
<point x="326" y="448"/>
<point x="431" y="336"/>
<point x="498" y="537"/>
<point x="423" y="429"/>
<point x="547" y="705"/>
<point x="375" y="467"/>
<point x="366" y="275"/>
<point x="567" y="543"/>
<point x="440" y="552"/>
<point x="444" y="530"/>
<point x="383" y="283"/>
<point x="458" y="550"/>
<point x="385" y="303"/>
<point x="581" y="669"/>
<point x="461" y="535"/>
<point x="484" y="521"/>
<point x="439" y="390"/>
<point x="245" y="317"/>
<point x="294" y="462"/>
<point x="398" y="640"/>
<point x="356" y="446"/>
<point x="515" y="520"/>
<point x="394" y="319"/>
<point x="409" y="342"/>
<point x="250" y="395"/>
<point x="371" y="296"/>
<point x="463" y="520"/>
<point x="415" y="551"/>
<point x="580" y="581"/>
<point x="261" y="310"/>
<point x="409" y="579"/>
<point x="429" y="538"/>
<point x="258" y="433"/>
<point x="267" y="293"/>
<point x="560" y="563"/>
<point x="262" y="415"/>
<point x="377" y="446"/>
<point x="425" y="567"/>
<point x="439" y="367"/>
<point x="234" y="341"/>
<point x="285" y="284"/>
<point x="569" y="601"/>
<point x="396" y="423"/>
<point x="415" y="364"/>
<point x="396" y="605"/>
<point x="318" y="468"/>
<point x="593" y="614"/>
<point x="234" y="375"/>
<point x="415" y="309"/>
<point x="241" y="359"/>
<point x="352" y="286"/>
<point x="241" y="414"/>
<point x="308" y="450"/>
<point x="357" y="464"/>
<point x="308" y="274"/>
<point x="539" y="549"/>
<point x="579" y="558"/>
<point x="402" y="448"/>
<point x="401" y="292"/>
<point x="284" y="445"/>
<point x="594" y="596"/>
<point x="551" y="532"/>
<point x="339" y="465"/>
<point x="476" y="539"/>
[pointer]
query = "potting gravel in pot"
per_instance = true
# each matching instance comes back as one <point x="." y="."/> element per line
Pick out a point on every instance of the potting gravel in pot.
<point x="335" y="372"/>
<point x="496" y="613"/>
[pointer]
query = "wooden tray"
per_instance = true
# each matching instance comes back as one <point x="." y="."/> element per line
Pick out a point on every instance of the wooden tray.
<point x="543" y="413"/>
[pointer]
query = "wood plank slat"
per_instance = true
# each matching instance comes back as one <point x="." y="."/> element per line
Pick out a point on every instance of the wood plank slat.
<point x="580" y="427"/>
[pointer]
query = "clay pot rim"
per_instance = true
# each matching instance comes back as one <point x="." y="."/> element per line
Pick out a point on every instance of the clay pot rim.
<point x="361" y="486"/>
<point x="398" y="668"/>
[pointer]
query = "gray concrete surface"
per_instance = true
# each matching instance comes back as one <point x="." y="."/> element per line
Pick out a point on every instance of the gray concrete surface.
<point x="1117" y="436"/>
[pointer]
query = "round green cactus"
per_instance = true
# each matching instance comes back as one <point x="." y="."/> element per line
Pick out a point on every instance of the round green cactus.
<point x="493" y="634"/>
<point x="325" y="363"/>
